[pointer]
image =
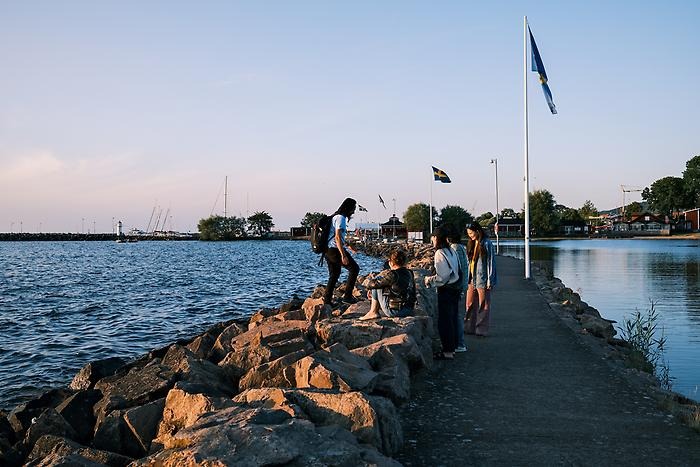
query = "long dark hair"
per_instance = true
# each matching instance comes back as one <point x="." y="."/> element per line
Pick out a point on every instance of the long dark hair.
<point x="347" y="208"/>
<point x="481" y="235"/>
<point x="440" y="234"/>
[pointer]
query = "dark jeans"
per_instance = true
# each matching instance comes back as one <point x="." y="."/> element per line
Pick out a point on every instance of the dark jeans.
<point x="447" y="301"/>
<point x="335" y="262"/>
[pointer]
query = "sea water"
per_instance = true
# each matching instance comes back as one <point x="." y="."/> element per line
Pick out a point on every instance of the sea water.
<point x="64" y="304"/>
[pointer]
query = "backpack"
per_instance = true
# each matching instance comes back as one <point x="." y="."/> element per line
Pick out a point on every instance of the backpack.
<point x="319" y="235"/>
<point x="403" y="292"/>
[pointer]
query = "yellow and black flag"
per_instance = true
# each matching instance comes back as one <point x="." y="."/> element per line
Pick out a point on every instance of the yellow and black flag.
<point x="441" y="176"/>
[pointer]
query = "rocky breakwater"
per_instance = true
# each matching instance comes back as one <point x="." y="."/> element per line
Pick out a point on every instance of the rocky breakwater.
<point x="304" y="384"/>
<point x="599" y="334"/>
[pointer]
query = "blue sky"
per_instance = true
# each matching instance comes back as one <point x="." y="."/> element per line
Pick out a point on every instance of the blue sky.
<point x="112" y="108"/>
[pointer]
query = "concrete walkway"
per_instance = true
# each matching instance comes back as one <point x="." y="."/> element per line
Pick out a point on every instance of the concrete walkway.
<point x="532" y="394"/>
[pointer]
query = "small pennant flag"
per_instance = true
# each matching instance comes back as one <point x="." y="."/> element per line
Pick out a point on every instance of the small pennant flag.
<point x="441" y="176"/>
<point x="538" y="67"/>
<point x="361" y="208"/>
<point x="382" y="201"/>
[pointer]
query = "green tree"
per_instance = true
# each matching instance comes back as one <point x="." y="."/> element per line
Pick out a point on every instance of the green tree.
<point x="691" y="178"/>
<point x="310" y="218"/>
<point x="260" y="223"/>
<point x="667" y="195"/>
<point x="565" y="213"/>
<point x="509" y="213"/>
<point x="635" y="207"/>
<point x="215" y="228"/>
<point x="588" y="210"/>
<point x="486" y="219"/>
<point x="543" y="215"/>
<point x="417" y="218"/>
<point x="455" y="217"/>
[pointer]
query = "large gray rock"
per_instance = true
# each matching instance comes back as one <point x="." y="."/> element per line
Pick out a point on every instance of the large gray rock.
<point x="77" y="410"/>
<point x="222" y="346"/>
<point x="20" y="418"/>
<point x="195" y="371"/>
<point x="372" y="420"/>
<point x="259" y="436"/>
<point x="394" y="382"/>
<point x="265" y="343"/>
<point x="277" y="373"/>
<point x="356" y="334"/>
<point x="114" y="435"/>
<point x="95" y="371"/>
<point x="335" y="368"/>
<point x="48" y="445"/>
<point x="140" y="385"/>
<point x="597" y="326"/>
<point x="388" y="352"/>
<point x="64" y="460"/>
<point x="49" y="422"/>
<point x="143" y="422"/>
<point x="182" y="410"/>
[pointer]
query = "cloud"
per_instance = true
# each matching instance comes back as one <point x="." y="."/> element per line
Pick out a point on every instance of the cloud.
<point x="31" y="166"/>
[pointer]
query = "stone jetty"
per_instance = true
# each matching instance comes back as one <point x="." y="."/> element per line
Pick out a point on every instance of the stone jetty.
<point x="303" y="384"/>
<point x="310" y="384"/>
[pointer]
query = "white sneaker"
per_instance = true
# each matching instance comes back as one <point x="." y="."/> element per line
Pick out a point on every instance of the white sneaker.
<point x="461" y="349"/>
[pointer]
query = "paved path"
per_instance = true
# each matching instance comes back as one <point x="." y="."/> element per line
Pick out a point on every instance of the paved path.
<point x="531" y="394"/>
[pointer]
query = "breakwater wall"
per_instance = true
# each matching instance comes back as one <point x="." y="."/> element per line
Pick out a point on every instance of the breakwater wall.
<point x="81" y="237"/>
<point x="302" y="384"/>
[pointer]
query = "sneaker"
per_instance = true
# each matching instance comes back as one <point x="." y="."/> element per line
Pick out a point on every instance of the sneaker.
<point x="461" y="348"/>
<point x="350" y="300"/>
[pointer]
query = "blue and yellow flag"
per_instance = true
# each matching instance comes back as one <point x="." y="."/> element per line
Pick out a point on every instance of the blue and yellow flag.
<point x="538" y="67"/>
<point x="441" y="176"/>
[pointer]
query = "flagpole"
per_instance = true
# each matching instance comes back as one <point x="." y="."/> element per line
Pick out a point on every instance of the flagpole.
<point x="430" y="208"/>
<point x="527" y="169"/>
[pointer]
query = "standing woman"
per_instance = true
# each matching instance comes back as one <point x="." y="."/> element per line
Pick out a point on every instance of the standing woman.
<point x="447" y="280"/>
<point x="338" y="255"/>
<point x="482" y="279"/>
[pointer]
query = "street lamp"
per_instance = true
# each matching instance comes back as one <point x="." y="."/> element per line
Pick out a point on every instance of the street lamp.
<point x="495" y="163"/>
<point x="393" y="221"/>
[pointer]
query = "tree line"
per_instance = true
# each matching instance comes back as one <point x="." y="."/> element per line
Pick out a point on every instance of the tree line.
<point x="666" y="196"/>
<point x="215" y="228"/>
<point x="670" y="195"/>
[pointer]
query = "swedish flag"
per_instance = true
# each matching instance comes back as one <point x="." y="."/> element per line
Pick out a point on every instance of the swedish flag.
<point x="441" y="176"/>
<point x="538" y="67"/>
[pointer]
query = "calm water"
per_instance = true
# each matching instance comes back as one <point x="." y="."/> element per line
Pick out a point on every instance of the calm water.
<point x="63" y="304"/>
<point x="619" y="276"/>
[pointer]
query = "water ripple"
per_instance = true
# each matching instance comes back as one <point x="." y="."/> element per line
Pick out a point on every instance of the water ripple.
<point x="64" y="304"/>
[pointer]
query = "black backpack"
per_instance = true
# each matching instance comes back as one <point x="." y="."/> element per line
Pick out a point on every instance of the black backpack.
<point x="319" y="235"/>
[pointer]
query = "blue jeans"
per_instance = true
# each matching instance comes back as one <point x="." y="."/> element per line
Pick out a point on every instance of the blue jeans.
<point x="461" y="311"/>
<point x="384" y="305"/>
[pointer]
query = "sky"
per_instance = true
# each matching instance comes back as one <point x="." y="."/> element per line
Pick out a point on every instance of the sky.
<point x="111" y="110"/>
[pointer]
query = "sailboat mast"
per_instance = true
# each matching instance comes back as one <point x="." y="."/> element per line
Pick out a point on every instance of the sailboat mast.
<point x="225" y="195"/>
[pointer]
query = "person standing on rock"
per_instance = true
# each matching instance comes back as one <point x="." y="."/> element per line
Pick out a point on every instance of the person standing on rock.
<point x="393" y="294"/>
<point x="455" y="239"/>
<point x="446" y="279"/>
<point x="338" y="255"/>
<point x="482" y="279"/>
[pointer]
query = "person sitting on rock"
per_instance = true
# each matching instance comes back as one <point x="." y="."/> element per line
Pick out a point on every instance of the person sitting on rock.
<point x="393" y="294"/>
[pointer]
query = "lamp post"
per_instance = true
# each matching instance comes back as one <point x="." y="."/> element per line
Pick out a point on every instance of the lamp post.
<point x="495" y="163"/>
<point x="393" y="220"/>
<point x="12" y="227"/>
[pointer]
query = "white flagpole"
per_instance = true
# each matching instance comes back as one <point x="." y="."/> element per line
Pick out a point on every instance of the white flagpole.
<point x="430" y="208"/>
<point x="527" y="169"/>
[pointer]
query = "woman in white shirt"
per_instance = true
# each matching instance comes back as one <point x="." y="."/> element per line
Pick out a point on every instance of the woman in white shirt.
<point x="447" y="280"/>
